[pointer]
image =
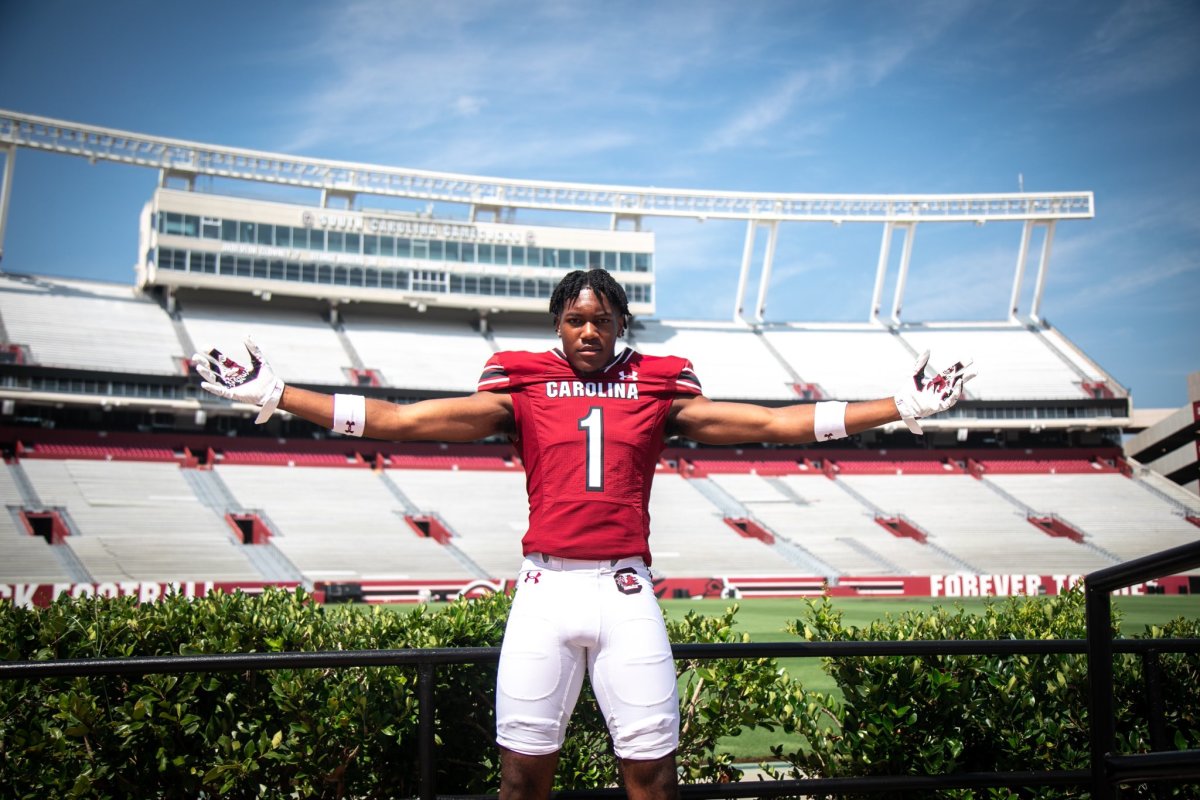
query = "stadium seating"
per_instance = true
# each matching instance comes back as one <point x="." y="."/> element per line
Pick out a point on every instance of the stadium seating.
<point x="23" y="558"/>
<point x="848" y="362"/>
<point x="301" y="346"/>
<point x="1014" y="363"/>
<point x="689" y="537"/>
<point x="1114" y="512"/>
<point x="419" y="353"/>
<point x="338" y="505"/>
<point x="517" y="336"/>
<point x="488" y="528"/>
<point x="714" y="348"/>
<point x="964" y="517"/>
<point x="138" y="521"/>
<point x="110" y="326"/>
<point x="338" y="524"/>
<point x="818" y="515"/>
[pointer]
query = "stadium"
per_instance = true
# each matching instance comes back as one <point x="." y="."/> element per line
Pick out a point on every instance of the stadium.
<point x="122" y="477"/>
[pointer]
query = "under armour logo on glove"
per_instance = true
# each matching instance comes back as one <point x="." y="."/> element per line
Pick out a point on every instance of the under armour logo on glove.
<point x="922" y="398"/>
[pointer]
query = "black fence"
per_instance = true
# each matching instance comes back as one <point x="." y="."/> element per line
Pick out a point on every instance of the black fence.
<point x="1108" y="770"/>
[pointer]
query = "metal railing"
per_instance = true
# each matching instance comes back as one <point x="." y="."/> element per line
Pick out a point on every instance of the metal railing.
<point x="1107" y="770"/>
<point x="1110" y="770"/>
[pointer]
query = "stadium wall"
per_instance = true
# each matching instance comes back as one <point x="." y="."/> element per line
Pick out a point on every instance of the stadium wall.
<point x="378" y="592"/>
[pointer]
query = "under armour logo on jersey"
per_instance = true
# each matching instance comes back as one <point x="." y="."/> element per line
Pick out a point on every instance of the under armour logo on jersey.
<point x="627" y="580"/>
<point x="632" y="375"/>
<point x="533" y="577"/>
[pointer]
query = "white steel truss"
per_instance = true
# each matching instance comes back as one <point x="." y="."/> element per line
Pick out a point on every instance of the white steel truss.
<point x="188" y="160"/>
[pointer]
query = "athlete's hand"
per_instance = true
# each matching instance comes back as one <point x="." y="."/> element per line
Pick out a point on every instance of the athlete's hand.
<point x="224" y="377"/>
<point x="920" y="398"/>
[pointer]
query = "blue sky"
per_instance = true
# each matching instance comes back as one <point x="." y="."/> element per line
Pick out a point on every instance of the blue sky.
<point x="870" y="97"/>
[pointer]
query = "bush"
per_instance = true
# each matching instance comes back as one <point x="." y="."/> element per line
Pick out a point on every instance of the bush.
<point x="929" y="715"/>
<point x="302" y="732"/>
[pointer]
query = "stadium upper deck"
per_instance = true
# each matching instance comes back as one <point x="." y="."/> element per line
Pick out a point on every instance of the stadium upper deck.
<point x="408" y="303"/>
<point x="89" y="345"/>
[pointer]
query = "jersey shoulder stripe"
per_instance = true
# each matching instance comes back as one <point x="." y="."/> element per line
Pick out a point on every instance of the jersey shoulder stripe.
<point x="687" y="379"/>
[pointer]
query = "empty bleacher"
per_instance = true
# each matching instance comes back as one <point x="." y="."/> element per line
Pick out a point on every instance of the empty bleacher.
<point x="88" y="325"/>
<point x="138" y="521"/>
<point x="23" y="558"/>
<point x="832" y="525"/>
<point x="847" y="362"/>
<point x="337" y="524"/>
<point x="730" y="359"/>
<point x="488" y="529"/>
<point x="509" y="335"/>
<point x="300" y="345"/>
<point x="439" y="355"/>
<point x="688" y="537"/>
<point x="1113" y="511"/>
<point x="1014" y="362"/>
<point x="963" y="516"/>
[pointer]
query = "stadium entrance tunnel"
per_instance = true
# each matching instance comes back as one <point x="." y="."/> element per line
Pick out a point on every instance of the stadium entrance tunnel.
<point x="46" y="524"/>
<point x="250" y="528"/>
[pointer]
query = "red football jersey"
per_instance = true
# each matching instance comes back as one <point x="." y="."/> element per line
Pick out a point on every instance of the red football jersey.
<point x="590" y="444"/>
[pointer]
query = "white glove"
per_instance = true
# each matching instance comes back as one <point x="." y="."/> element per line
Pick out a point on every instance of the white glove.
<point x="224" y="377"/>
<point x="919" y="398"/>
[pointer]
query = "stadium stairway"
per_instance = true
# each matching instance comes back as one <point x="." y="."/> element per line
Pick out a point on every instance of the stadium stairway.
<point x="791" y="551"/>
<point x="30" y="500"/>
<point x="212" y="491"/>
<point x="29" y="495"/>
<point x="273" y="564"/>
<point x="1185" y="504"/>
<point x="1031" y="513"/>
<point x="467" y="562"/>
<point x="880" y="513"/>
<point x="412" y="510"/>
<point x="356" y="361"/>
<point x="784" y="489"/>
<point x="263" y="556"/>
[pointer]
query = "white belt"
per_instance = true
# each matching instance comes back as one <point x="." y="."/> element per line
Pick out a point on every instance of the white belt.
<point x="600" y="564"/>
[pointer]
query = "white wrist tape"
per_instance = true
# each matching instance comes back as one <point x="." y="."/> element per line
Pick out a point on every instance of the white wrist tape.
<point x="349" y="414"/>
<point x="829" y="420"/>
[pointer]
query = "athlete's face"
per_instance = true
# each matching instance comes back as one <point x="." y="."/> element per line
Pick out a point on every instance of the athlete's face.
<point x="589" y="329"/>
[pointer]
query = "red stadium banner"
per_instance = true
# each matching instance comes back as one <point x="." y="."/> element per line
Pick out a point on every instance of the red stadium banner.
<point x="42" y="594"/>
<point x="422" y="591"/>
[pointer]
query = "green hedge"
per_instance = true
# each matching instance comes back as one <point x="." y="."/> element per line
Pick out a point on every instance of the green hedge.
<point x="305" y="733"/>
<point x="352" y="732"/>
<point x="924" y="715"/>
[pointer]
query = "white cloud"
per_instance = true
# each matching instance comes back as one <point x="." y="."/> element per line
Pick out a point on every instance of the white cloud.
<point x="1139" y="46"/>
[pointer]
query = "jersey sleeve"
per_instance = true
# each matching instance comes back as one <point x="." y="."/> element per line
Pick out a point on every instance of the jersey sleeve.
<point x="515" y="369"/>
<point x="686" y="381"/>
<point x="494" y="376"/>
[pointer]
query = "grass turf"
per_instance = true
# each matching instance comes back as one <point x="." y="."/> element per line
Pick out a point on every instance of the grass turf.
<point x="766" y="619"/>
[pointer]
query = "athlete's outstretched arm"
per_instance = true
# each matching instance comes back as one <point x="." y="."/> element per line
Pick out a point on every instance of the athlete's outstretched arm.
<point x="708" y="422"/>
<point x="450" y="419"/>
<point x="454" y="419"/>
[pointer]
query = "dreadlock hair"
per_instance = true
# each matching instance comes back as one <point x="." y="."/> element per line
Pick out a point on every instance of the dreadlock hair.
<point x="600" y="282"/>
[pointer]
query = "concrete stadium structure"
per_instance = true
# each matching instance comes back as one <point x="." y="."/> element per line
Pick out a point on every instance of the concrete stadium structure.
<point x="120" y="471"/>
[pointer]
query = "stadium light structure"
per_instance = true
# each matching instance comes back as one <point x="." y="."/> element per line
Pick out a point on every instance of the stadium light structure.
<point x="187" y="160"/>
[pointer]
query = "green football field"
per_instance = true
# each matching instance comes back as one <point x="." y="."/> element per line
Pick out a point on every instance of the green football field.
<point x="765" y="620"/>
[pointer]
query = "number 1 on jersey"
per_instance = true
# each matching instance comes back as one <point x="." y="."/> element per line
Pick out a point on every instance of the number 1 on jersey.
<point x="593" y="424"/>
